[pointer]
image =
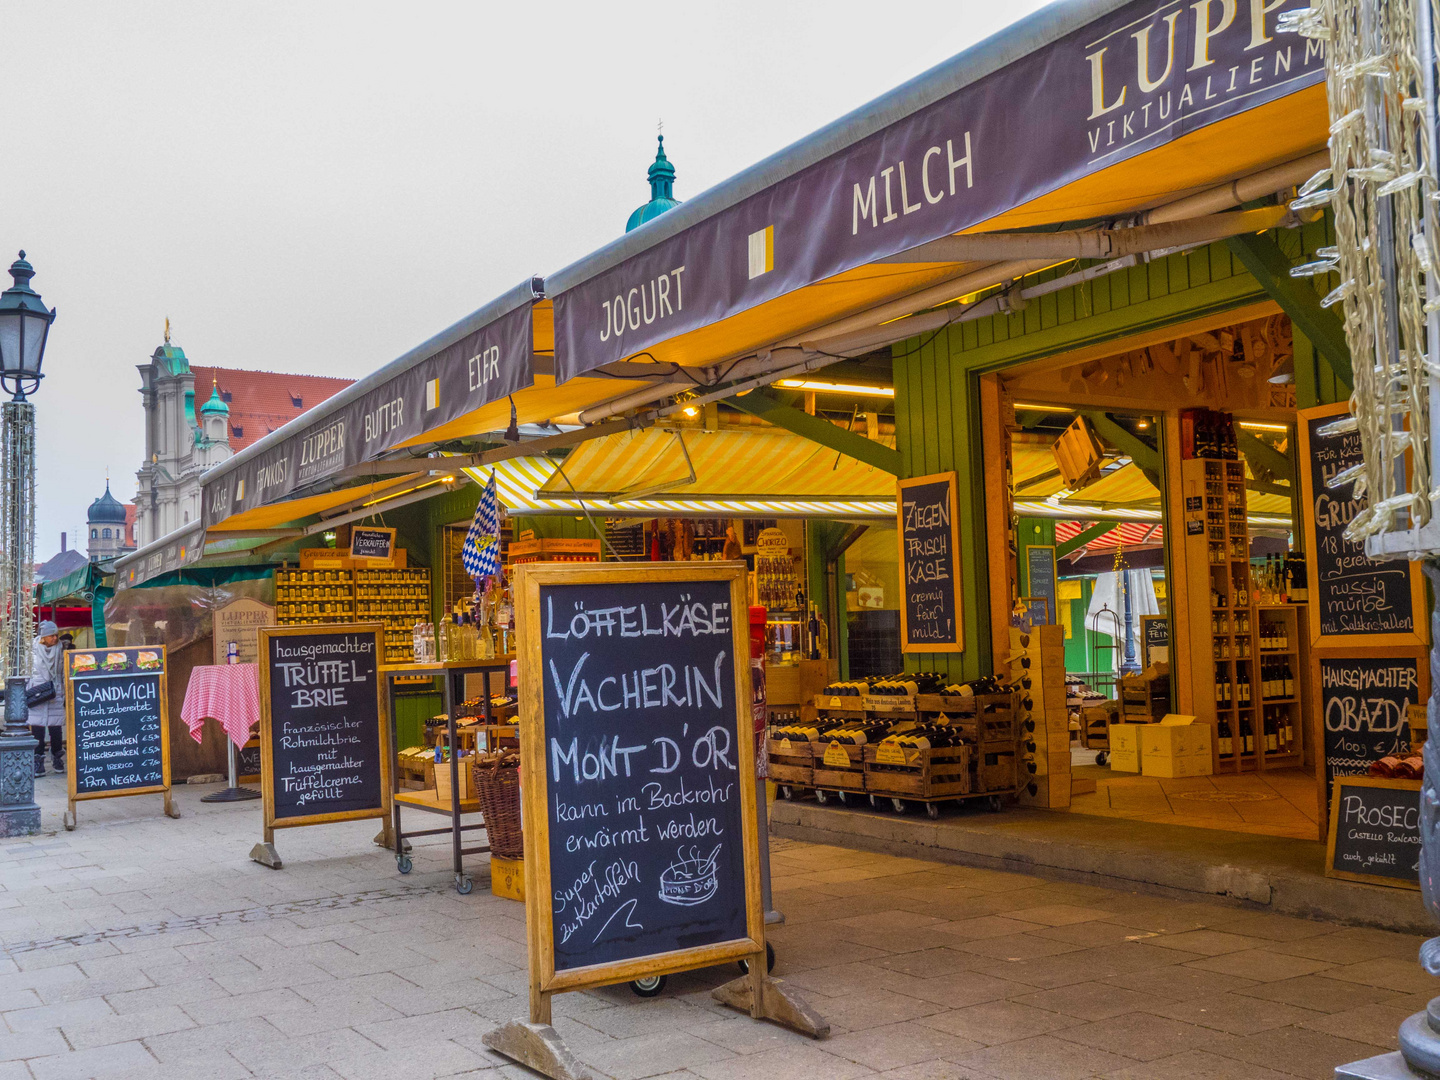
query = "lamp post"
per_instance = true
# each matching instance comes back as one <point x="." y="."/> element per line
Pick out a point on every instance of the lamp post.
<point x="24" y="328"/>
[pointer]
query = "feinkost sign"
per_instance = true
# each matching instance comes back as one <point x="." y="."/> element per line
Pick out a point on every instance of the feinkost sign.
<point x="1141" y="76"/>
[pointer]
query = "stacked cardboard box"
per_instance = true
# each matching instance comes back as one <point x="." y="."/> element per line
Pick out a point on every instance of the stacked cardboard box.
<point x="1037" y="663"/>
<point x="1176" y="746"/>
<point x="1125" y="747"/>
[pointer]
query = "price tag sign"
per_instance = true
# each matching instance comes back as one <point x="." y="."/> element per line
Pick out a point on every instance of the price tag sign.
<point x="890" y="754"/>
<point x="837" y="756"/>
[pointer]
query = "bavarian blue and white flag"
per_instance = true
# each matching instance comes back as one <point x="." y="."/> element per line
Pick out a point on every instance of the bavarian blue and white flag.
<point x="480" y="554"/>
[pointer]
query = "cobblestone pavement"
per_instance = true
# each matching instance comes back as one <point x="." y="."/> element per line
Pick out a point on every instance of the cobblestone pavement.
<point x="142" y="947"/>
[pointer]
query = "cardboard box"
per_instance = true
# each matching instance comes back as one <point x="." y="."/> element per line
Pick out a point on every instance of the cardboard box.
<point x="1172" y="768"/>
<point x="1175" y="736"/>
<point x="507" y="878"/>
<point x="1125" y="747"/>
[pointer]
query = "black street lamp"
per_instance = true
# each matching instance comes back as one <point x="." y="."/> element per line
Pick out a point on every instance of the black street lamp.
<point x="24" y="331"/>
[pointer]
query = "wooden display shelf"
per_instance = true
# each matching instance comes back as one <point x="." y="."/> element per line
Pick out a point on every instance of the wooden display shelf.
<point x="429" y="800"/>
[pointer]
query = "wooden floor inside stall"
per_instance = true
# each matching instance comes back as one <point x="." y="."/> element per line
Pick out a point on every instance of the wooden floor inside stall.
<point x="1281" y="802"/>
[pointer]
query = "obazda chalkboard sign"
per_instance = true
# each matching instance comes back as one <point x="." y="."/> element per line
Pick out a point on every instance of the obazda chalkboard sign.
<point x="1363" y="703"/>
<point x="1375" y="832"/>
<point x="1353" y="599"/>
<point x="324" y="739"/>
<point x="929" y="533"/>
<point x="117" y="725"/>
<point x="639" y="787"/>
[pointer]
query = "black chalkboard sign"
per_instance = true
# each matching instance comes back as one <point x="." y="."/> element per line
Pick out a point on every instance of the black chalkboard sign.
<point x="117" y="722"/>
<point x="372" y="543"/>
<point x="1375" y="832"/>
<point x="1155" y="632"/>
<point x="1350" y="594"/>
<point x="636" y="731"/>
<point x="1040" y="572"/>
<point x="929" y="533"/>
<point x="1362" y="709"/>
<point x="323" y="743"/>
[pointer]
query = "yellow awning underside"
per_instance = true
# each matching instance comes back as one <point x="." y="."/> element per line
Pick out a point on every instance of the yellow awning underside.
<point x="1125" y="486"/>
<point x="749" y="464"/>
<point x="283" y="513"/>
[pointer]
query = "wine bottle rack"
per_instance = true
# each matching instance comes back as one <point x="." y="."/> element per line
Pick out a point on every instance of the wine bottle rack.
<point x="1251" y="730"/>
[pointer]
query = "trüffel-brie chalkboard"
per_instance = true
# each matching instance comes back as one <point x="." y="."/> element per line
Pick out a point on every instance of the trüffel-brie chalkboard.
<point x="117" y="719"/>
<point x="1351" y="594"/>
<point x="322" y="737"/>
<point x="929" y="535"/>
<point x="1362" y="708"/>
<point x="1375" y="831"/>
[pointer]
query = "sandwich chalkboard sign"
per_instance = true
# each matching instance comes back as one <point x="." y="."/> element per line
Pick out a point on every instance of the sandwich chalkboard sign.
<point x="117" y="725"/>
<point x="929" y="533"/>
<point x="1041" y="575"/>
<point x="638" y="758"/>
<point x="324" y="740"/>
<point x="370" y="542"/>
<point x="1363" y="705"/>
<point x="1353" y="599"/>
<point x="1375" y="832"/>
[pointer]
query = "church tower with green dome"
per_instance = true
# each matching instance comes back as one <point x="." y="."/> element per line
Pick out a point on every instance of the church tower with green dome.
<point x="662" y="190"/>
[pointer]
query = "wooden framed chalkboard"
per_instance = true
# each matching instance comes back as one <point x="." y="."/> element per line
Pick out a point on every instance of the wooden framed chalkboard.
<point x="1041" y="576"/>
<point x="117" y="725"/>
<point x="1353" y="599"/>
<point x="638" y="757"/>
<point x="1375" y="832"/>
<point x="929" y="534"/>
<point x="1037" y="610"/>
<point x="372" y="542"/>
<point x="1364" y="696"/>
<point x="324" y="739"/>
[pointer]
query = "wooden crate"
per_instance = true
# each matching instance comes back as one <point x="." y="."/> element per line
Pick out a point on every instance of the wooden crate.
<point x="831" y="775"/>
<point x="840" y="703"/>
<point x="792" y="762"/>
<point x="890" y="704"/>
<point x="995" y="770"/>
<point x="910" y="772"/>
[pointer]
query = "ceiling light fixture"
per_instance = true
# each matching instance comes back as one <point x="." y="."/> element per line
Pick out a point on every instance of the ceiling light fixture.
<point x="1256" y="425"/>
<point x="819" y="387"/>
<point x="1043" y="408"/>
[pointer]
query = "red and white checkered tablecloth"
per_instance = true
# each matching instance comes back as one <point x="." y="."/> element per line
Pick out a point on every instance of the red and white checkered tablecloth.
<point x="227" y="693"/>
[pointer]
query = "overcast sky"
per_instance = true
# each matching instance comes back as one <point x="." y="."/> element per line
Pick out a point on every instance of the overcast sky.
<point x="318" y="187"/>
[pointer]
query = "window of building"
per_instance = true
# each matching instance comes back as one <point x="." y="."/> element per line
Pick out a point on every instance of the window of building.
<point x="105" y="533"/>
<point x="94" y="534"/>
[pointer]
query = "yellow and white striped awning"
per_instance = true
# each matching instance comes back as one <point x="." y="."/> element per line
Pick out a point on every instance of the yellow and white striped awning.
<point x="755" y="473"/>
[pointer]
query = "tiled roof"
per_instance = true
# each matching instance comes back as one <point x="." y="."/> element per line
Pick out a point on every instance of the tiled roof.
<point x="261" y="401"/>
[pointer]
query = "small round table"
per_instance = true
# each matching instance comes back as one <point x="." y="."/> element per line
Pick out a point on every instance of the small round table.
<point x="229" y="694"/>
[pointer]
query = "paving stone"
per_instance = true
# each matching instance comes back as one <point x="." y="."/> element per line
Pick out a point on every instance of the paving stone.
<point x="1198" y="1065"/>
<point x="108" y="1030"/>
<point x="1141" y="1036"/>
<point x="1378" y="1025"/>
<point x="1318" y="992"/>
<point x="1294" y="1051"/>
<point x="993" y="1022"/>
<point x="1235" y="1014"/>
<point x="1207" y="942"/>
<point x="100" y="1063"/>
<point x="896" y="1045"/>
<point x="808" y="1062"/>
<point x="85" y="1011"/>
<point x="1261" y="965"/>
<point x="1043" y="1055"/>
<point x="1401" y="976"/>
<point x="1088" y="1001"/>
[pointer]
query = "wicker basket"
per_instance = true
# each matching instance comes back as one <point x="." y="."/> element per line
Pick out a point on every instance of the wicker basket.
<point x="497" y="784"/>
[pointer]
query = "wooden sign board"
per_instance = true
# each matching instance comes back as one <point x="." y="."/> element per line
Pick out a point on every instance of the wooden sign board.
<point x="1042" y="578"/>
<point x="237" y="622"/>
<point x="929" y="532"/>
<point x="1353" y="600"/>
<point x="372" y="543"/>
<point x="1155" y="639"/>
<point x="324" y="740"/>
<point x="117" y="725"/>
<point x="1375" y="832"/>
<point x="637" y="744"/>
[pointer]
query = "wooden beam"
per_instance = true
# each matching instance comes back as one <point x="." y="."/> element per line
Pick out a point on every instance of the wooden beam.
<point x="762" y="404"/>
<point x="1271" y="268"/>
<point x="1083" y="537"/>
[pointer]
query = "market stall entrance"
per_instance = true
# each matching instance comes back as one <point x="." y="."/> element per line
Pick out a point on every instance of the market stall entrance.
<point x="1156" y="503"/>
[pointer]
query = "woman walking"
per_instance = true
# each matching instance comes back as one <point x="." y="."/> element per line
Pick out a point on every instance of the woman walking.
<point x="47" y="714"/>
